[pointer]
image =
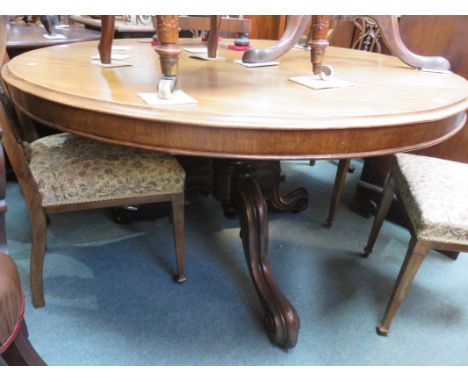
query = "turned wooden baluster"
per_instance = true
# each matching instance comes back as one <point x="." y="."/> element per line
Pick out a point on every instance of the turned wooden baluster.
<point x="319" y="43"/>
<point x="215" y="23"/>
<point x="107" y="36"/>
<point x="168" y="51"/>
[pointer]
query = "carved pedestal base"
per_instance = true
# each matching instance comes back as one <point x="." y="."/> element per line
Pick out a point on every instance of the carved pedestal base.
<point x="245" y="189"/>
<point x="246" y="186"/>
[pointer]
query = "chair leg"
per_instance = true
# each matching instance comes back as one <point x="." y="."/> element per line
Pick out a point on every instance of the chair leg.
<point x="343" y="167"/>
<point x="178" y="226"/>
<point x="417" y="251"/>
<point x="38" y="247"/>
<point x="382" y="211"/>
<point x="21" y="352"/>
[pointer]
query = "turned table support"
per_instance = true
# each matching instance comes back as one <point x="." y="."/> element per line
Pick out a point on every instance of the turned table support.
<point x="107" y="36"/>
<point x="319" y="43"/>
<point x="215" y="23"/>
<point x="168" y="51"/>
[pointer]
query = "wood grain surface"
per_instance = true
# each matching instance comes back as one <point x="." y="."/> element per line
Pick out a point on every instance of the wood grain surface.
<point x="242" y="112"/>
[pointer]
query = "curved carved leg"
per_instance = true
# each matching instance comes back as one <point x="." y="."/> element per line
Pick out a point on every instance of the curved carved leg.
<point x="105" y="41"/>
<point x="294" y="30"/>
<point x="319" y="43"/>
<point x="294" y="201"/>
<point x="168" y="51"/>
<point x="391" y="35"/>
<point x="215" y="23"/>
<point x="281" y="319"/>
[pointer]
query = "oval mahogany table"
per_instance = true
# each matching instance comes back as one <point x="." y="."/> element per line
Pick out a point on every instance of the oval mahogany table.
<point x="247" y="118"/>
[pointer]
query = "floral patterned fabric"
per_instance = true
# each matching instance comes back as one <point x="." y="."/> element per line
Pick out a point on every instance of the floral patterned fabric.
<point x="70" y="169"/>
<point x="435" y="195"/>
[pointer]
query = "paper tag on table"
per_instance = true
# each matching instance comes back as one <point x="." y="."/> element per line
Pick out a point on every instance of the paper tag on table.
<point x="206" y="58"/>
<point x="436" y="71"/>
<point x="179" y="97"/>
<point x="62" y="26"/>
<point x="57" y="36"/>
<point x="195" y="49"/>
<point x="317" y="83"/>
<point x="111" y="65"/>
<point x="114" y="56"/>
<point x="256" y="64"/>
<point x="121" y="48"/>
<point x="145" y="40"/>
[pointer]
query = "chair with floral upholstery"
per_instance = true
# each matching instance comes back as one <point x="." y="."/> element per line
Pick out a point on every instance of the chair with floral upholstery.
<point x="64" y="172"/>
<point x="434" y="195"/>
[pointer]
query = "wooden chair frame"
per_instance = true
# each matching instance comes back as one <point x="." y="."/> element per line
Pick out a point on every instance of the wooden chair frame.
<point x="38" y="214"/>
<point x="416" y="253"/>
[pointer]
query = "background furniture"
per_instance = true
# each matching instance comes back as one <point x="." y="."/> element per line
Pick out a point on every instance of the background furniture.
<point x="24" y="37"/>
<point x="436" y="208"/>
<point x="229" y="25"/>
<point x="15" y="347"/>
<point x="350" y="122"/>
<point x="428" y="35"/>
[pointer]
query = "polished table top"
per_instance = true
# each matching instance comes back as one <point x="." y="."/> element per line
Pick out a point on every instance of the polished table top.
<point x="242" y="112"/>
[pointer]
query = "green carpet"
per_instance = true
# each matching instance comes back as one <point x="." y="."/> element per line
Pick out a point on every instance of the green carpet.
<point x="110" y="299"/>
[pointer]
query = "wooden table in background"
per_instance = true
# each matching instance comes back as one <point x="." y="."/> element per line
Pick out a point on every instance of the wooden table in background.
<point x="24" y="37"/>
<point x="246" y="118"/>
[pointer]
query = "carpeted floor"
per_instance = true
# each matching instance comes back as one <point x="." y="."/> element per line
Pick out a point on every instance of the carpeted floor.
<point x="110" y="299"/>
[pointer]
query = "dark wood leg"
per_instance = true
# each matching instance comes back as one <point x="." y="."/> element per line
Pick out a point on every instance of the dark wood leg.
<point x="343" y="168"/>
<point x="49" y="23"/>
<point x="281" y="319"/>
<point x="294" y="30"/>
<point x="391" y="36"/>
<point x="168" y="51"/>
<point x="451" y="254"/>
<point x="380" y="216"/>
<point x="178" y="204"/>
<point x="319" y="43"/>
<point x="38" y="247"/>
<point x="215" y="22"/>
<point x="21" y="352"/>
<point x="294" y="201"/>
<point x="107" y="36"/>
<point x="417" y="251"/>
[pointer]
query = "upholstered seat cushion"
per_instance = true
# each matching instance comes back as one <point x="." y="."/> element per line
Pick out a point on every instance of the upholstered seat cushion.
<point x="11" y="302"/>
<point x="435" y="194"/>
<point x="69" y="169"/>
